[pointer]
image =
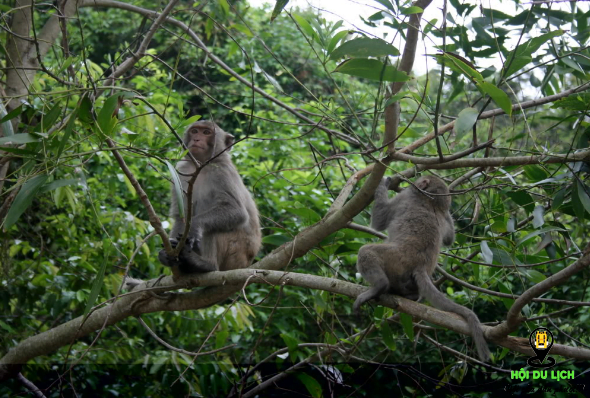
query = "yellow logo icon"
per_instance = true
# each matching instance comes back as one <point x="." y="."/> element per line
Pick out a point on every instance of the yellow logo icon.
<point x="541" y="339"/>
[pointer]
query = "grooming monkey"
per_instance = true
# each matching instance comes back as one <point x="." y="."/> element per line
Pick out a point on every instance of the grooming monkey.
<point x="418" y="223"/>
<point x="225" y="230"/>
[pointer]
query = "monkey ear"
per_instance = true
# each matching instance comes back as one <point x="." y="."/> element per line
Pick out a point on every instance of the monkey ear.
<point x="424" y="183"/>
<point x="229" y="140"/>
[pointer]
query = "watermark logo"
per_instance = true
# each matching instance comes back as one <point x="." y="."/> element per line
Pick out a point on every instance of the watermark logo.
<point x="541" y="341"/>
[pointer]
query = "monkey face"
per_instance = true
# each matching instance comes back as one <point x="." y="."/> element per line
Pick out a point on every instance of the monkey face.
<point x="205" y="139"/>
<point x="200" y="140"/>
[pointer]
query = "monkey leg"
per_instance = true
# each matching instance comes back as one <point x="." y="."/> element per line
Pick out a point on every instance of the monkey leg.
<point x="188" y="262"/>
<point x="191" y="262"/>
<point x="370" y="264"/>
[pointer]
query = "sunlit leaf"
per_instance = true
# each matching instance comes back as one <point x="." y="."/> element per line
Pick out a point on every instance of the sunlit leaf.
<point x="538" y="216"/>
<point x="177" y="188"/>
<point x="371" y="69"/>
<point x="500" y="97"/>
<point x="279" y="6"/>
<point x="411" y="10"/>
<point x="486" y="253"/>
<point x="20" y="139"/>
<point x="465" y="121"/>
<point x="363" y="47"/>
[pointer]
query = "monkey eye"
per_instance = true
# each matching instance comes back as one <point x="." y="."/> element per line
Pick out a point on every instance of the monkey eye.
<point x="207" y="132"/>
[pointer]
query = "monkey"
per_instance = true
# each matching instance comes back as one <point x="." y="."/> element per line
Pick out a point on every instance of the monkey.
<point x="225" y="230"/>
<point x="418" y="222"/>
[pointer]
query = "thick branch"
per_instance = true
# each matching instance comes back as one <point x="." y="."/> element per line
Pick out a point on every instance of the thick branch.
<point x="22" y="57"/>
<point x="513" y="319"/>
<point x="136" y="303"/>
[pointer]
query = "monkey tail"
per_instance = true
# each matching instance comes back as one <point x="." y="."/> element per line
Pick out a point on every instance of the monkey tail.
<point x="442" y="302"/>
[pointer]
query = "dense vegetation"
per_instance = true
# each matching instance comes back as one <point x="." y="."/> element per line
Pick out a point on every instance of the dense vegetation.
<point x="89" y="116"/>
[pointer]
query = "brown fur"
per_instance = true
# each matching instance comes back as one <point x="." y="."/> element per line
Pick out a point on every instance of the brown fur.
<point x="418" y="224"/>
<point x="225" y="230"/>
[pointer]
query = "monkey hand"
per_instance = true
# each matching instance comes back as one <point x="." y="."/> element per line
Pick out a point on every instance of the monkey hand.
<point x="386" y="181"/>
<point x="194" y="244"/>
<point x="383" y="187"/>
<point x="167" y="260"/>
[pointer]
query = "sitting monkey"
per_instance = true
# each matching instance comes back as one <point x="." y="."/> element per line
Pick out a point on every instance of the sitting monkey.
<point x="225" y="230"/>
<point x="418" y="222"/>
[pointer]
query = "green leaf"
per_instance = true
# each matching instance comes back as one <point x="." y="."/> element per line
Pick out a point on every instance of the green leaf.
<point x="532" y="275"/>
<point x="507" y="301"/>
<point x="500" y="97"/>
<point x="85" y="113"/>
<point x="538" y="216"/>
<point x="276" y="240"/>
<point x="58" y="183"/>
<point x="535" y="173"/>
<point x="523" y="53"/>
<point x="312" y="385"/>
<point x="20" y="139"/>
<point x="99" y="278"/>
<point x="305" y="214"/>
<point x="5" y="125"/>
<point x="349" y="247"/>
<point x="523" y="199"/>
<point x="387" y="4"/>
<point x="106" y="118"/>
<point x="336" y="39"/>
<point x="517" y="64"/>
<point x="371" y="69"/>
<point x="279" y="6"/>
<point x="363" y="47"/>
<point x="495" y="14"/>
<point x="49" y="119"/>
<point x="538" y="232"/>
<point x="292" y="344"/>
<point x="574" y="102"/>
<point x="583" y="195"/>
<point x="407" y="324"/>
<point x="412" y="10"/>
<point x="531" y="46"/>
<point x="304" y="25"/>
<point x="177" y="188"/>
<point x="486" y="253"/>
<point x="577" y="204"/>
<point x="224" y="6"/>
<point x="23" y="199"/>
<point x="387" y="336"/>
<point x="465" y="121"/>
<point x="558" y="199"/>
<point x="220" y="338"/>
<point x="459" y="65"/>
<point x="67" y="132"/>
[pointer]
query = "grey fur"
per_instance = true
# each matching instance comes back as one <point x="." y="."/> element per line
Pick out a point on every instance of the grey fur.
<point x="225" y="229"/>
<point x="418" y="224"/>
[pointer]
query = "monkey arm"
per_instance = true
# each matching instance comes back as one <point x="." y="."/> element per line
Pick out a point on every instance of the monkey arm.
<point x="383" y="208"/>
<point x="224" y="214"/>
<point x="448" y="231"/>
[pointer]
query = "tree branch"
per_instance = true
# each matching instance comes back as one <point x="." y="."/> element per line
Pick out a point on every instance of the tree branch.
<point x="513" y="319"/>
<point x="140" y="303"/>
